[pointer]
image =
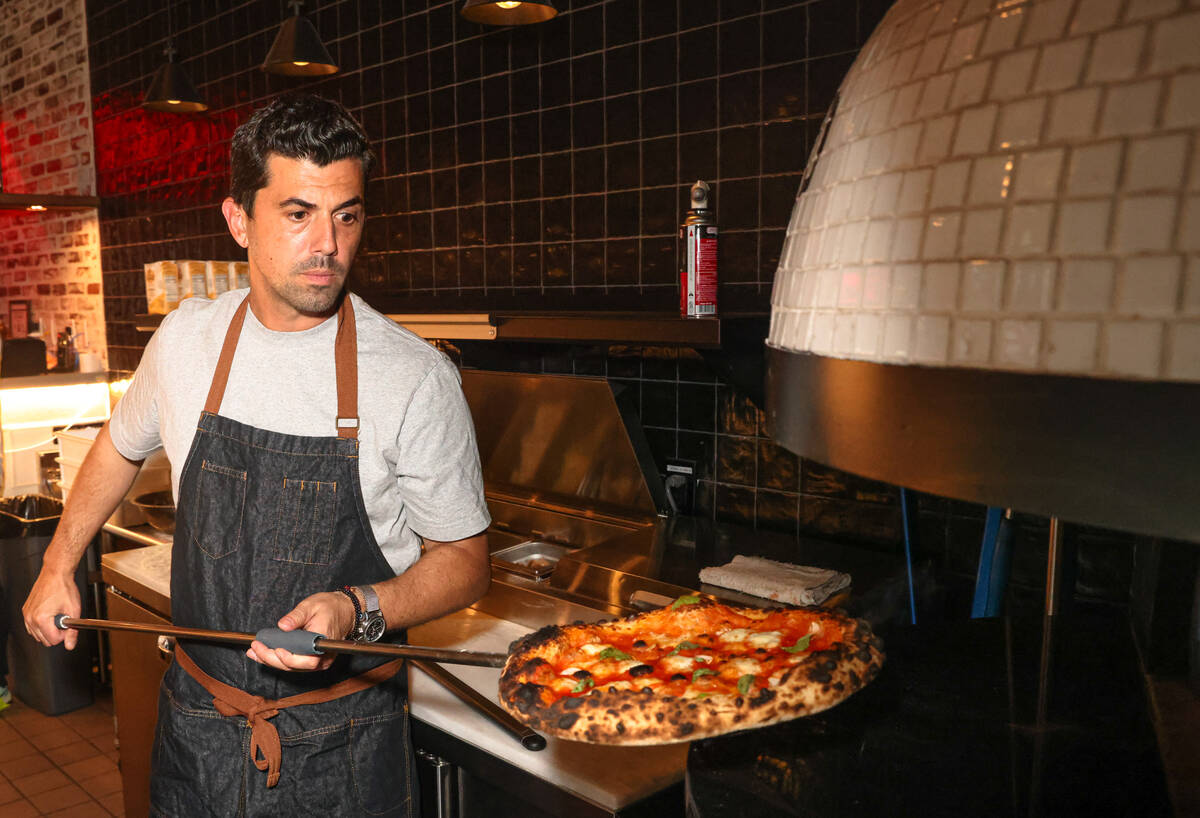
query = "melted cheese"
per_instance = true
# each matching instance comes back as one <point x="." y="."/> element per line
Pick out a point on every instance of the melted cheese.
<point x="677" y="664"/>
<point x="570" y="671"/>
<point x="741" y="666"/>
<point x="736" y="635"/>
<point x="593" y="648"/>
<point x="766" y="639"/>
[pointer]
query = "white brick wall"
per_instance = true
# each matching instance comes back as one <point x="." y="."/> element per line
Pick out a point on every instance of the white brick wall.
<point x="50" y="259"/>
<point x="1017" y="185"/>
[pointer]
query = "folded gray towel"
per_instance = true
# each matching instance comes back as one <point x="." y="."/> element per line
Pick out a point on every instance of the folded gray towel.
<point x="780" y="581"/>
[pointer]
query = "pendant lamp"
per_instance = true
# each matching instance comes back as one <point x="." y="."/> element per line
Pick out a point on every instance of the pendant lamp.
<point x="509" y="12"/>
<point x="298" y="50"/>
<point x="170" y="90"/>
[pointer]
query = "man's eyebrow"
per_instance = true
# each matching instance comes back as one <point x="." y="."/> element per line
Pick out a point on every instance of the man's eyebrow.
<point x="295" y="201"/>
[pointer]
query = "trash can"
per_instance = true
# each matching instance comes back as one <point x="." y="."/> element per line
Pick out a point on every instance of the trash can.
<point x="51" y="680"/>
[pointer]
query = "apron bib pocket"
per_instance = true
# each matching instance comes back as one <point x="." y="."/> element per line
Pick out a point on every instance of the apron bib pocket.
<point x="218" y="525"/>
<point x="307" y="510"/>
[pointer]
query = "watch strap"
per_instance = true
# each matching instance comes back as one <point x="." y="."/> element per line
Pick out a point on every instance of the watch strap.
<point x="370" y="598"/>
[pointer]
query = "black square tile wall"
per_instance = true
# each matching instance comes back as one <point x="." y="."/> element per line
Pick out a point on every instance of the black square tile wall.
<point x="546" y="165"/>
<point x="744" y="477"/>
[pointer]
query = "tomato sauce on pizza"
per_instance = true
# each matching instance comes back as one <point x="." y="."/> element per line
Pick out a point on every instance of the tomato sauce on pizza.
<point x="695" y="669"/>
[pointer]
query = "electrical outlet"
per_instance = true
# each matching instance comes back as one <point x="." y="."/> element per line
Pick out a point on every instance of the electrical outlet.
<point x="680" y="481"/>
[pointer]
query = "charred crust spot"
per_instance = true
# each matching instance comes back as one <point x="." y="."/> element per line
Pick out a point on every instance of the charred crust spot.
<point x="762" y="697"/>
<point x="839" y="687"/>
<point x="685" y="729"/>
<point x="572" y="703"/>
<point x="864" y="653"/>
<point x="820" y="676"/>
<point x="567" y="721"/>
<point x="526" y="695"/>
<point x="739" y="701"/>
<point x="529" y="667"/>
<point x="831" y="665"/>
<point x="620" y="727"/>
<point x="678" y="677"/>
<point x="582" y="674"/>
<point x="659" y="717"/>
<point x="640" y="670"/>
<point x="639" y="643"/>
<point x="535" y="639"/>
<point x="760" y="650"/>
<point x="647" y="690"/>
<point x="854" y="680"/>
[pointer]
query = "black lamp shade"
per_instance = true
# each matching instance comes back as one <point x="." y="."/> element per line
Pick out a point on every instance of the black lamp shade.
<point x="508" y="13"/>
<point x="172" y="91"/>
<point x="298" y="51"/>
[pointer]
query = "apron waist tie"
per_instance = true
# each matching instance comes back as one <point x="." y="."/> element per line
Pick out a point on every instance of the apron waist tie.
<point x="264" y="738"/>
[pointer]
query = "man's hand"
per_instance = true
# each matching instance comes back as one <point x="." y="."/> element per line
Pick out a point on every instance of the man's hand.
<point x="330" y="613"/>
<point x="52" y="594"/>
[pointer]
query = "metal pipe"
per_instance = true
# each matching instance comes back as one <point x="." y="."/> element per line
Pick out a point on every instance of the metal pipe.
<point x="528" y="738"/>
<point x="319" y="643"/>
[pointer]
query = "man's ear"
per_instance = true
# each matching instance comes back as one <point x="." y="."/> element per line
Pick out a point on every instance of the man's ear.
<point x="236" y="218"/>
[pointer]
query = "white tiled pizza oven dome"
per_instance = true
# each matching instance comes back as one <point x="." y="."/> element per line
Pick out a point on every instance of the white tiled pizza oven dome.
<point x="1007" y="185"/>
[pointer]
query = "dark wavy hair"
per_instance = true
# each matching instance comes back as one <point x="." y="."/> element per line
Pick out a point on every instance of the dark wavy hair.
<point x="298" y="126"/>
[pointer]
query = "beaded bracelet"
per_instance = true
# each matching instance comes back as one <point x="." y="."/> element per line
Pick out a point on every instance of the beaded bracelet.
<point x="348" y="591"/>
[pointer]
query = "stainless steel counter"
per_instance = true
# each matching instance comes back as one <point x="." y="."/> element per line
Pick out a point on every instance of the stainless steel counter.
<point x="609" y="777"/>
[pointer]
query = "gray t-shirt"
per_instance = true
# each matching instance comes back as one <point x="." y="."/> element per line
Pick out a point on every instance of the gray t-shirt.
<point x="418" y="461"/>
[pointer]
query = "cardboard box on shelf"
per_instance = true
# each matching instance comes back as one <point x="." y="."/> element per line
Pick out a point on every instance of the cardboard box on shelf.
<point x="239" y="275"/>
<point x="162" y="286"/>
<point x="193" y="276"/>
<point x="217" y="277"/>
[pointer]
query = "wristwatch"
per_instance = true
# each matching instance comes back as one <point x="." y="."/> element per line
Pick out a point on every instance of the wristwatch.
<point x="369" y="624"/>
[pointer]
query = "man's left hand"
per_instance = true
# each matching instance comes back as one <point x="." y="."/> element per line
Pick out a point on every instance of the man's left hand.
<point x="330" y="613"/>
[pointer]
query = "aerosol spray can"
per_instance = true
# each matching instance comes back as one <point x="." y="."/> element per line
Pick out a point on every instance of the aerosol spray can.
<point x="698" y="276"/>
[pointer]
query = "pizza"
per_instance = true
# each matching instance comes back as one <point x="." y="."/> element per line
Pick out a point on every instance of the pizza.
<point x="695" y="669"/>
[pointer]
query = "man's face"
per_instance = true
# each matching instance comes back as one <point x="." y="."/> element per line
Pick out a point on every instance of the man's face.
<point x="301" y="240"/>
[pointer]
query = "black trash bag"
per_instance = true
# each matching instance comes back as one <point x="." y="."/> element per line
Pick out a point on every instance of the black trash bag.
<point x="29" y="515"/>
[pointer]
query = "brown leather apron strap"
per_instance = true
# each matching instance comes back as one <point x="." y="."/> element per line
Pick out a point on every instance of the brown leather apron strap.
<point x="264" y="738"/>
<point x="345" y="356"/>
<point x="221" y="377"/>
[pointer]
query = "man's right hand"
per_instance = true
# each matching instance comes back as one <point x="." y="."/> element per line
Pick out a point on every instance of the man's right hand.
<point x="52" y="594"/>
<point x="102" y="481"/>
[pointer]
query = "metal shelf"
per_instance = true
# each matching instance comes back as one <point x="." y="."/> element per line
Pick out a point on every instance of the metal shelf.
<point x="37" y="201"/>
<point x="553" y="327"/>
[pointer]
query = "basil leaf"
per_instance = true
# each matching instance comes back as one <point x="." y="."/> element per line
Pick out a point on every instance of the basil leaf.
<point x="744" y="683"/>
<point x="684" y="645"/>
<point x="684" y="600"/>
<point x="702" y="695"/>
<point x="801" y="644"/>
<point x="702" y="671"/>
<point x="582" y="685"/>
<point x="613" y="653"/>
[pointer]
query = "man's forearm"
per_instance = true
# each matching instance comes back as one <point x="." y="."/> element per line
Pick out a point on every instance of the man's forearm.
<point x="102" y="482"/>
<point x="447" y="577"/>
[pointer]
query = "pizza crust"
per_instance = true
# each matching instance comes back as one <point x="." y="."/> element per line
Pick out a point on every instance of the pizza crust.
<point x="819" y="681"/>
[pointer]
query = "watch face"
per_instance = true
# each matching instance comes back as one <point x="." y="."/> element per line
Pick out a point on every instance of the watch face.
<point x="373" y="629"/>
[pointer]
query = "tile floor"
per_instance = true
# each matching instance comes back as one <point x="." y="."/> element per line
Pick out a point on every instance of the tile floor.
<point x="66" y="766"/>
<point x="59" y="765"/>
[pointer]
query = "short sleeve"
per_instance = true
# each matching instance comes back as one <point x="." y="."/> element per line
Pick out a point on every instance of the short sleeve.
<point x="439" y="474"/>
<point x="134" y="427"/>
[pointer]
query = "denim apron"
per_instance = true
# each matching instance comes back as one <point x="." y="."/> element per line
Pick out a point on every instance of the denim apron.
<point x="264" y="520"/>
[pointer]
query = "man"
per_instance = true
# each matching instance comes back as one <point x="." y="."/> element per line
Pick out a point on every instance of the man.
<point x="302" y="499"/>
